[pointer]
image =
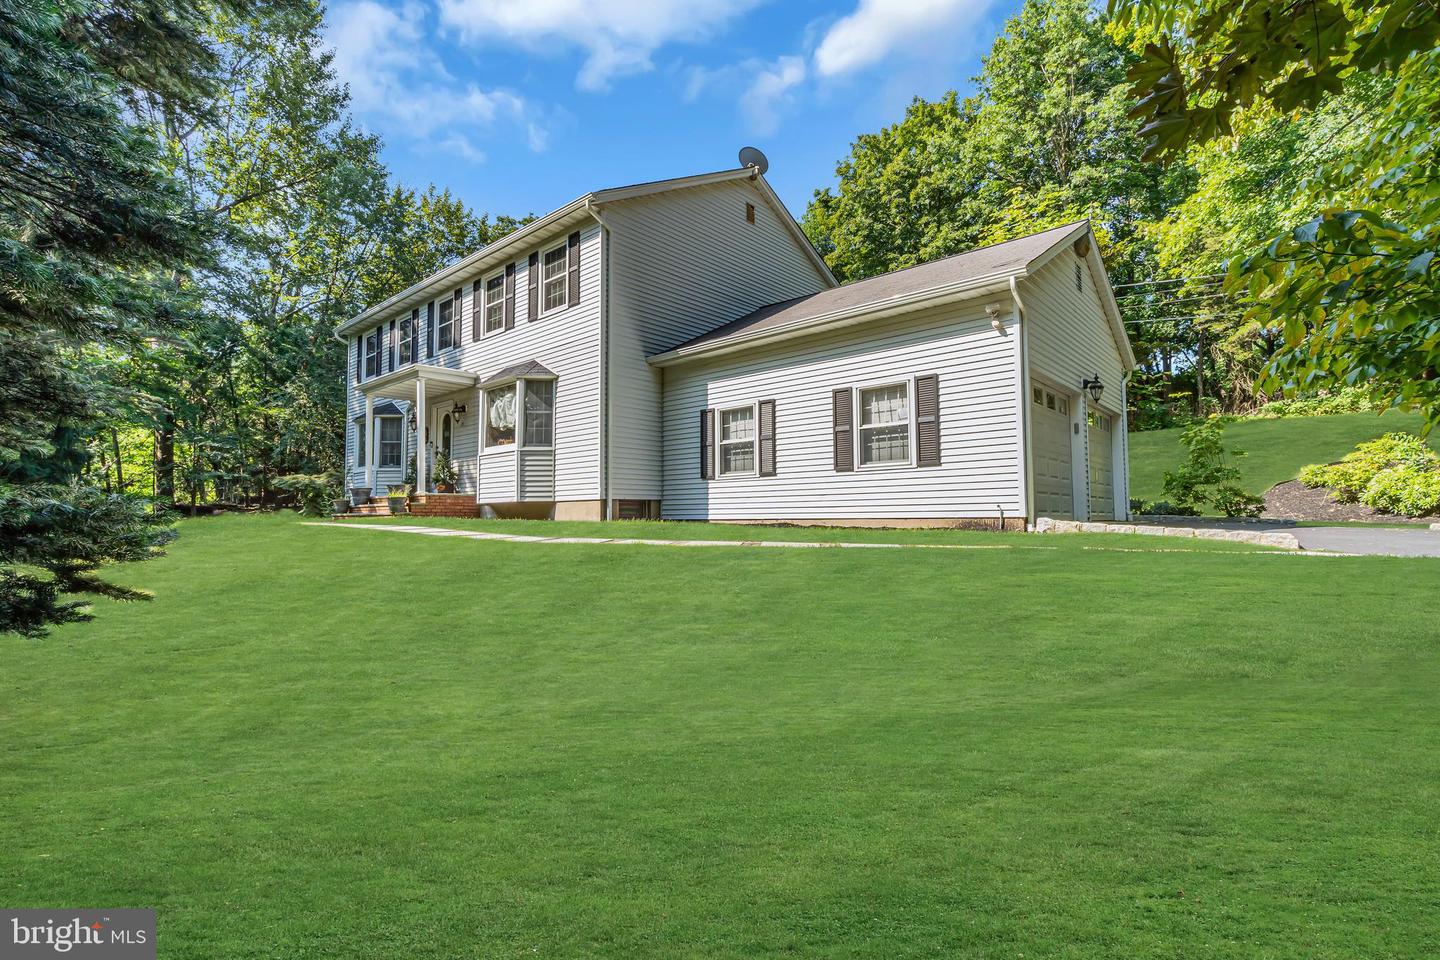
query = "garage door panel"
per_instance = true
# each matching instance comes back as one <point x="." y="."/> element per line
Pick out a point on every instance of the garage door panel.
<point x="1050" y="436"/>
<point x="1102" y="464"/>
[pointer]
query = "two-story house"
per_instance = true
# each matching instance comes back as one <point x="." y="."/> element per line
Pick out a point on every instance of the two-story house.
<point x="678" y="349"/>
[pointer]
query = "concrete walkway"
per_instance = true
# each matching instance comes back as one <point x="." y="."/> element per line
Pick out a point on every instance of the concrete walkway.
<point x="521" y="538"/>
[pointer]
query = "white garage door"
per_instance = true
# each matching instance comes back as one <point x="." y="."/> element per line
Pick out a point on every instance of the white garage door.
<point x="1102" y="465"/>
<point x="1050" y="431"/>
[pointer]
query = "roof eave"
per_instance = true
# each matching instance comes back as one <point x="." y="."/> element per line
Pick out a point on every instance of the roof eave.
<point x="491" y="253"/>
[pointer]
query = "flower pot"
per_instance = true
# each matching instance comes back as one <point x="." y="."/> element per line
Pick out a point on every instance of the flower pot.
<point x="339" y="506"/>
<point x="397" y="504"/>
<point x="359" y="496"/>
<point x="444" y="488"/>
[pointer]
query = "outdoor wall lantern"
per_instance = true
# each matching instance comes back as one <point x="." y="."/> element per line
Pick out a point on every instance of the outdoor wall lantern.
<point x="1094" y="386"/>
<point x="458" y="413"/>
<point x="412" y="419"/>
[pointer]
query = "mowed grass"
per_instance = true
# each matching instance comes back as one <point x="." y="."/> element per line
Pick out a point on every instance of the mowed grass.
<point x="1275" y="450"/>
<point x="328" y="743"/>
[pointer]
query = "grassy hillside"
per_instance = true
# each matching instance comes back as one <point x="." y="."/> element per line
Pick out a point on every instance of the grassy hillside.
<point x="321" y="743"/>
<point x="1276" y="449"/>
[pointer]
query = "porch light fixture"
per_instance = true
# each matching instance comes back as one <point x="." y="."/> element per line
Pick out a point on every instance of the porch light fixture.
<point x="458" y="413"/>
<point x="412" y="419"/>
<point x="1094" y="386"/>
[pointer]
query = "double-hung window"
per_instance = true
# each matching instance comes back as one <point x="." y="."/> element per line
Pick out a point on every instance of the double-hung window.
<point x="407" y="327"/>
<point x="539" y="413"/>
<point x="555" y="282"/>
<point x="737" y="440"/>
<point x="372" y="355"/>
<point x="392" y="443"/>
<point x="445" y="328"/>
<point x="495" y="303"/>
<point x="885" y="425"/>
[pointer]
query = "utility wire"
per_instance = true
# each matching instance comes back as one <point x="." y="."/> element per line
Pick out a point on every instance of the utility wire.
<point x="1211" y="277"/>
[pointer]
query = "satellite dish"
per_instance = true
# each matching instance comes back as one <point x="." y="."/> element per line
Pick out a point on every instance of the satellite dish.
<point x="752" y="157"/>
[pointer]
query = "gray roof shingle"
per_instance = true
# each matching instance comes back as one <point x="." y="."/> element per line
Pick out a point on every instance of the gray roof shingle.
<point x="1010" y="256"/>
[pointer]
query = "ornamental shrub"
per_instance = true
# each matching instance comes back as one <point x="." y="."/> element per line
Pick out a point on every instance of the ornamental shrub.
<point x="1344" y="400"/>
<point x="1207" y="477"/>
<point x="1349" y="478"/>
<point x="1404" y="489"/>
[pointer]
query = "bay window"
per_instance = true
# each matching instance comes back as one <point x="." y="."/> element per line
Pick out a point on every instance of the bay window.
<point x="539" y="413"/>
<point x="500" y="416"/>
<point x="392" y="441"/>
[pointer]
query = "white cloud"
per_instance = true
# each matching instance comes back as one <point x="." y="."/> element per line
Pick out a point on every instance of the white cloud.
<point x="878" y="29"/>
<point x="380" y="52"/>
<point x="618" y="38"/>
<point x="766" y="88"/>
<point x="460" y="144"/>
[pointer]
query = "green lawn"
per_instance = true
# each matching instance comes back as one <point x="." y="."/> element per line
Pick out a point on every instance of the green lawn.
<point x="1275" y="449"/>
<point x="331" y="743"/>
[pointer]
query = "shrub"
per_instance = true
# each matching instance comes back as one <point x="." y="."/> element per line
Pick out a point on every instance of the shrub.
<point x="314" y="491"/>
<point x="1344" y="400"/>
<point x="1207" y="477"/>
<point x="1161" y="508"/>
<point x="1404" y="489"/>
<point x="1349" y="478"/>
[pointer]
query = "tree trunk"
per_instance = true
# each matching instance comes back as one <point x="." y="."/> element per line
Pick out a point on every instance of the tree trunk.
<point x="119" y="467"/>
<point x="165" y="461"/>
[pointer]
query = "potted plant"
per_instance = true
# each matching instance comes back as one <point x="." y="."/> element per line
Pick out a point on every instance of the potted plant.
<point x="339" y="505"/>
<point x="397" y="495"/>
<point x="359" y="496"/>
<point x="444" y="474"/>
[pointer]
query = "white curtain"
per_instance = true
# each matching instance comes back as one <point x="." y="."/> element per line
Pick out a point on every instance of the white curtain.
<point x="502" y="409"/>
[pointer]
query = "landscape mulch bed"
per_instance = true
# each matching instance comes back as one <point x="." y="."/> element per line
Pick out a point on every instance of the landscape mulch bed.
<point x="1292" y="500"/>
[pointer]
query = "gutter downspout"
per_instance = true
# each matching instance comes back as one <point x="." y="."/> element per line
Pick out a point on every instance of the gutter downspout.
<point x="1027" y="490"/>
<point x="591" y="209"/>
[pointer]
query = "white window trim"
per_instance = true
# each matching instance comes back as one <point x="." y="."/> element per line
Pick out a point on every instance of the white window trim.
<point x="379" y="455"/>
<point x="454" y="323"/>
<point x="372" y="351"/>
<point x="519" y="443"/>
<point x="754" y="471"/>
<point x="540" y="268"/>
<point x="485" y="330"/>
<point x="521" y="386"/>
<point x="909" y="384"/>
<point x="402" y="339"/>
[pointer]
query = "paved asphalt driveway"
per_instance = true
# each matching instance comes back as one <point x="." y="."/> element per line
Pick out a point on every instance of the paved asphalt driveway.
<point x="1390" y="541"/>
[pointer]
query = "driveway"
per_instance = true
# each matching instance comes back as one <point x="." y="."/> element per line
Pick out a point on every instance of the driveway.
<point x="1385" y="541"/>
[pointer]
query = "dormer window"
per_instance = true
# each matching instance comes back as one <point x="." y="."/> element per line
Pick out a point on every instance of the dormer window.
<point x="554" y="290"/>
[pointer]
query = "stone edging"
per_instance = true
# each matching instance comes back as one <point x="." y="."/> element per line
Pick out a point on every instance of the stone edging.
<point x="1285" y="541"/>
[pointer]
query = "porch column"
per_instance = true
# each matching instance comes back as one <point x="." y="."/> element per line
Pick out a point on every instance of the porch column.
<point x="422" y="478"/>
<point x="369" y="443"/>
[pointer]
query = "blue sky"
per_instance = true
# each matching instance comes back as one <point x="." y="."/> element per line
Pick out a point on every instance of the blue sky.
<point x="521" y="105"/>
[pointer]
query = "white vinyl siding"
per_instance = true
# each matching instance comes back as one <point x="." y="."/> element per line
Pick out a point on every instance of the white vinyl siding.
<point x="683" y="263"/>
<point x="1070" y="340"/>
<point x="566" y="341"/>
<point x="980" y="472"/>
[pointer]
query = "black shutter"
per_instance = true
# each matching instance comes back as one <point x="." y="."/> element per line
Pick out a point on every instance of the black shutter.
<point x="455" y="326"/>
<point x="707" y="444"/>
<point x="532" y="279"/>
<point x="359" y="356"/>
<point x="843" y="425"/>
<point x="394" y="346"/>
<point x="509" y="296"/>
<point x="414" y="334"/>
<point x="430" y="330"/>
<point x="767" y="438"/>
<point x="477" y="309"/>
<point x="572" y="296"/>
<point x="927" y="420"/>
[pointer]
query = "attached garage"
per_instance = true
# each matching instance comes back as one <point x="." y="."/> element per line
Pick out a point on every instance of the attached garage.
<point x="1102" y="464"/>
<point x="1054" y="473"/>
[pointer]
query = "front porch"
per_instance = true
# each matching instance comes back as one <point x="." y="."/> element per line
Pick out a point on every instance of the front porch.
<point x="440" y="394"/>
